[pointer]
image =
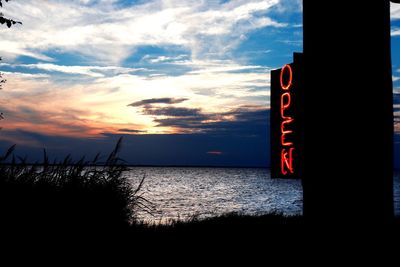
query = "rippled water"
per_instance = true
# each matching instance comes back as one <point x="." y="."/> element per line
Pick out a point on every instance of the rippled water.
<point x="396" y="191"/>
<point x="184" y="192"/>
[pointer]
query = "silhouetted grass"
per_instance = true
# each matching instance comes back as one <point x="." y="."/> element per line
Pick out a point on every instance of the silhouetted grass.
<point x="96" y="198"/>
<point x="83" y="196"/>
<point x="269" y="232"/>
<point x="224" y="223"/>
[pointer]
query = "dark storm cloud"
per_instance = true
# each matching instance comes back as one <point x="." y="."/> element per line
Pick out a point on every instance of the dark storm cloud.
<point x="245" y="123"/>
<point x="242" y="121"/>
<point x="172" y="111"/>
<point x="164" y="100"/>
<point x="130" y="131"/>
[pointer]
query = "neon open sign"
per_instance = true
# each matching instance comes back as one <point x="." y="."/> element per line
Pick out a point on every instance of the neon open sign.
<point x="287" y="121"/>
<point x="286" y="117"/>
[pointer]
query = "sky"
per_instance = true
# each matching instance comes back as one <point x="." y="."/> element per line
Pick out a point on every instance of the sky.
<point x="185" y="82"/>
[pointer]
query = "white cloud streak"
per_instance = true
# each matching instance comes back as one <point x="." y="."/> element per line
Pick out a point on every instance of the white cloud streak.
<point x="92" y="71"/>
<point x="108" y="34"/>
<point x="12" y="49"/>
<point x="394" y="11"/>
<point x="395" y="32"/>
<point x="164" y="59"/>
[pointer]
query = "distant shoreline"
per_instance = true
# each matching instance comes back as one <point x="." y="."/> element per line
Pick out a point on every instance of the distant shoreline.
<point x="167" y="166"/>
<point x="152" y="166"/>
<point x="197" y="166"/>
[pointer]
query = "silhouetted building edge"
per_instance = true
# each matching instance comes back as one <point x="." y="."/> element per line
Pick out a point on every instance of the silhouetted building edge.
<point x="348" y="98"/>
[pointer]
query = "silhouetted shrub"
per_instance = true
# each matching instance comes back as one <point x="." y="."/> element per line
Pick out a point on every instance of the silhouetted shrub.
<point x="67" y="196"/>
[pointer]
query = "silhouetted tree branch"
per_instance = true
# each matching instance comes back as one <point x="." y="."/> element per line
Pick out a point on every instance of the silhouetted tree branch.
<point x="3" y="20"/>
<point x="9" y="23"/>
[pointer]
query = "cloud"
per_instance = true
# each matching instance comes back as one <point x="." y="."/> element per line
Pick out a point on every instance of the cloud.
<point x="100" y="102"/>
<point x="395" y="32"/>
<point x="394" y="11"/>
<point x="92" y="71"/>
<point x="65" y="69"/>
<point x="25" y="86"/>
<point x="63" y="122"/>
<point x="288" y="6"/>
<point x="13" y="49"/>
<point x="164" y="59"/>
<point x="28" y="76"/>
<point x="33" y="102"/>
<point x="165" y="100"/>
<point x="228" y="68"/>
<point x="396" y="107"/>
<point x="172" y="111"/>
<point x="214" y="90"/>
<point x="89" y="39"/>
<point x="108" y="33"/>
<point x="130" y="131"/>
<point x="242" y="120"/>
<point x="292" y="42"/>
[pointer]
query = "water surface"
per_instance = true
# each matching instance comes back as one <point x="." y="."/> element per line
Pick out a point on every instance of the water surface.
<point x="184" y="192"/>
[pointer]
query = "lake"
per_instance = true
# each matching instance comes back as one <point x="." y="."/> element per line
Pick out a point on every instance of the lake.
<point x="180" y="193"/>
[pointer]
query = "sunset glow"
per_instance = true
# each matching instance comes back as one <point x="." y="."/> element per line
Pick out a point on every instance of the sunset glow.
<point x="95" y="70"/>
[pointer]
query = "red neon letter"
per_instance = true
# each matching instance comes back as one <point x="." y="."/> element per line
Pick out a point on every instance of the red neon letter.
<point x="285" y="105"/>
<point x="289" y="69"/>
<point x="287" y="161"/>
<point x="284" y="132"/>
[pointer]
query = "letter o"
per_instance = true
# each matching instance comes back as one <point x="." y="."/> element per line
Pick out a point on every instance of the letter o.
<point x="289" y="69"/>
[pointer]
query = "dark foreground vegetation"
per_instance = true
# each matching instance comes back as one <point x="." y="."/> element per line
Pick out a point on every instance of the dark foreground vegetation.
<point x="94" y="201"/>
<point x="67" y="196"/>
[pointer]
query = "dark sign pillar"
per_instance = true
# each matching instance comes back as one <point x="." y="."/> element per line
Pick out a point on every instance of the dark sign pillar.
<point x="348" y="168"/>
<point x="286" y="120"/>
